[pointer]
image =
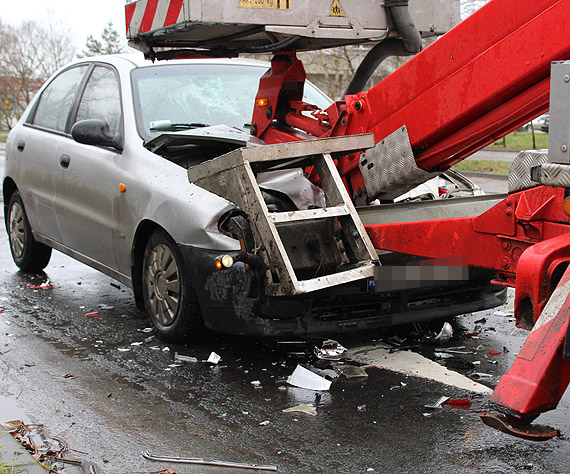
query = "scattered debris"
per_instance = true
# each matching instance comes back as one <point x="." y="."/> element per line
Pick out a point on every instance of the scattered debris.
<point x="209" y="462"/>
<point x="457" y="363"/>
<point x="330" y="350"/>
<point x="361" y="407"/>
<point x="214" y="358"/>
<point x="445" y="333"/>
<point x="68" y="376"/>
<point x="439" y="403"/>
<point x="146" y="330"/>
<point x="351" y="371"/>
<point x="304" y="378"/>
<point x="256" y="383"/>
<point x="124" y="349"/>
<point x="481" y="375"/>
<point x="183" y="358"/>
<point x="459" y="401"/>
<point x="43" y="286"/>
<point x="106" y="307"/>
<point x="115" y="285"/>
<point x="94" y="314"/>
<point x="265" y="423"/>
<point x="494" y="353"/>
<point x="481" y="321"/>
<point x="136" y="343"/>
<point x="303" y="408"/>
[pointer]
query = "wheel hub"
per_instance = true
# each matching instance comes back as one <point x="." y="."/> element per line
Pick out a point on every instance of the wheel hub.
<point x="163" y="285"/>
<point x="16" y="229"/>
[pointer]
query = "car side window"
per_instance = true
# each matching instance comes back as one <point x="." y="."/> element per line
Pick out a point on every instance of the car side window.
<point x="55" y="103"/>
<point x="101" y="98"/>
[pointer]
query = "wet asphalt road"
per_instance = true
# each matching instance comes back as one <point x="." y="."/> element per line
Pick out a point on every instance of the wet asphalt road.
<point x="126" y="396"/>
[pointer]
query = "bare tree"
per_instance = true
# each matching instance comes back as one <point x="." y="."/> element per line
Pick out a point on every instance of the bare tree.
<point x="29" y="54"/>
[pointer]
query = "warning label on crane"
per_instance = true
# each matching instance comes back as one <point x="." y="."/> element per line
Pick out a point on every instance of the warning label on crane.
<point x="277" y="4"/>
<point x="336" y="9"/>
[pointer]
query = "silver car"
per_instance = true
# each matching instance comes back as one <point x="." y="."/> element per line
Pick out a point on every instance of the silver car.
<point x="97" y="169"/>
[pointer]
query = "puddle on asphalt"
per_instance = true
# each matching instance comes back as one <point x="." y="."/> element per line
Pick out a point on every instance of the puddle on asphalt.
<point x="10" y="411"/>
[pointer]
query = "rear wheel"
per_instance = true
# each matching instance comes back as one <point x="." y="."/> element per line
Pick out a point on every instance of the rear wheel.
<point x="29" y="255"/>
<point x="169" y="296"/>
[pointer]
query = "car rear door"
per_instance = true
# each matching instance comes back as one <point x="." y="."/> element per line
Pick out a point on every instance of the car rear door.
<point x="87" y="187"/>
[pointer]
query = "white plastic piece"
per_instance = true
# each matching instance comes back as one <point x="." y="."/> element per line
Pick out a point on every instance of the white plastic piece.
<point x="304" y="378"/>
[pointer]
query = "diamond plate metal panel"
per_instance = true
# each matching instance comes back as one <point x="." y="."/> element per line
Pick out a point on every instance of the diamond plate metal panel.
<point x="389" y="169"/>
<point x="519" y="170"/>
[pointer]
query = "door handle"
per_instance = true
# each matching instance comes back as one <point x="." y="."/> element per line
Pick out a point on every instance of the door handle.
<point x="20" y="145"/>
<point x="64" y="161"/>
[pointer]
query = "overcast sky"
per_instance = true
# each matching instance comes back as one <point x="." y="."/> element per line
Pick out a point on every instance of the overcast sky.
<point x="83" y="17"/>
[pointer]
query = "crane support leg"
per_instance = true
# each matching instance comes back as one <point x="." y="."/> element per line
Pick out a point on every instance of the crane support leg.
<point x="539" y="376"/>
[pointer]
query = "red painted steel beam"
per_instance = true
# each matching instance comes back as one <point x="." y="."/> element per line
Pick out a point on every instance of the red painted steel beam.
<point x="539" y="376"/>
<point x="482" y="79"/>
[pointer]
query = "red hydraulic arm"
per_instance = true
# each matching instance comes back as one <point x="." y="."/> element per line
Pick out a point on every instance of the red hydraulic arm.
<point x="481" y="80"/>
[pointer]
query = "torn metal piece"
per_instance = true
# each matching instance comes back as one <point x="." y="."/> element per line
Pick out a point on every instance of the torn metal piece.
<point x="330" y="350"/>
<point x="208" y="462"/>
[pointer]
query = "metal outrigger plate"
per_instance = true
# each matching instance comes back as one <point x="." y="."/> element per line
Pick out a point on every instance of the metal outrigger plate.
<point x="520" y="430"/>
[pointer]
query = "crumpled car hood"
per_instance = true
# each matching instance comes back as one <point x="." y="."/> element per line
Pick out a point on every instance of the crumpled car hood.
<point x="215" y="133"/>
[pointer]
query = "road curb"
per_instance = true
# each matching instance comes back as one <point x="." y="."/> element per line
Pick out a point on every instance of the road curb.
<point x="12" y="452"/>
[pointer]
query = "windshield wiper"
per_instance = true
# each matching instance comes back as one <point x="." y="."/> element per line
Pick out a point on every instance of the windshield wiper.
<point x="168" y="126"/>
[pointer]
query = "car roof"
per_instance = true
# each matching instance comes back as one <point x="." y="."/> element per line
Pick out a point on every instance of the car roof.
<point x="138" y="60"/>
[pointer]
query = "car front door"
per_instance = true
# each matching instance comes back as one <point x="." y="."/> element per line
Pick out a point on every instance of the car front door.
<point x="87" y="187"/>
<point x="37" y="142"/>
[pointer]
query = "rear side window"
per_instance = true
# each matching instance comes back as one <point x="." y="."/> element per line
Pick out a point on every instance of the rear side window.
<point x="57" y="99"/>
<point x="101" y="99"/>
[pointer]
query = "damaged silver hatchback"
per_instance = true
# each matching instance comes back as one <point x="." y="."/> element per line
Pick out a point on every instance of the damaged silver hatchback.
<point x="97" y="168"/>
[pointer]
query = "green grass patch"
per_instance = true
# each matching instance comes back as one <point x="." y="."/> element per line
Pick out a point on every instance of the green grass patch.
<point x="517" y="141"/>
<point x="483" y="166"/>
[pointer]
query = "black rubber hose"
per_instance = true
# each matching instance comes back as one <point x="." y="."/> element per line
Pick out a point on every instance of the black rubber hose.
<point x="409" y="44"/>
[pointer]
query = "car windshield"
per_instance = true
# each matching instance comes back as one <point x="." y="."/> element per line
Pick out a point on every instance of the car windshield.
<point x="194" y="95"/>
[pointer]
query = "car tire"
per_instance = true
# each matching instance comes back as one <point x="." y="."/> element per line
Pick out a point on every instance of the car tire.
<point x="169" y="295"/>
<point x="28" y="254"/>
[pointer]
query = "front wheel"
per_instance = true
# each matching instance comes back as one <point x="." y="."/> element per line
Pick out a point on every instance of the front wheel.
<point x="29" y="255"/>
<point x="169" y="296"/>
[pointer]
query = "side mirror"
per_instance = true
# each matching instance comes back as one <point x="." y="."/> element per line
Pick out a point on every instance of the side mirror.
<point x="96" y="132"/>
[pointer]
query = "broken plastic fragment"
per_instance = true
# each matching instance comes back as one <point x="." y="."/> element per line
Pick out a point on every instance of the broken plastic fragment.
<point x="439" y="403"/>
<point x="303" y="408"/>
<point x="214" y="358"/>
<point x="106" y="307"/>
<point x="94" y="314"/>
<point x="494" y="353"/>
<point x="304" y="378"/>
<point x="459" y="401"/>
<point x="264" y="423"/>
<point x="445" y="333"/>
